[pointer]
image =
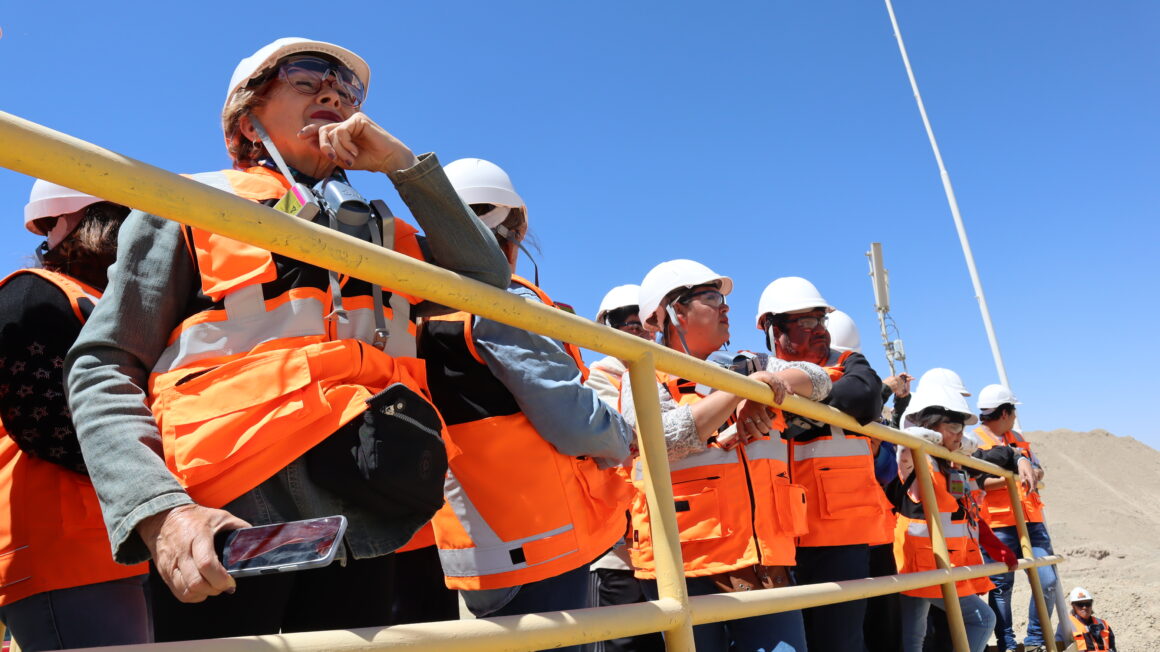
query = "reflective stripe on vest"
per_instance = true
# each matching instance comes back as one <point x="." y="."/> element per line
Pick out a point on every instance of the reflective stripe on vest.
<point x="491" y="555"/>
<point x="950" y="530"/>
<point x="839" y="446"/>
<point x="233" y="273"/>
<point x="517" y="510"/>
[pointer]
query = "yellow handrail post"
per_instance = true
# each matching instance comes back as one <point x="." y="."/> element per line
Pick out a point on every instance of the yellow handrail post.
<point x="666" y="537"/>
<point x="942" y="557"/>
<point x="1032" y="573"/>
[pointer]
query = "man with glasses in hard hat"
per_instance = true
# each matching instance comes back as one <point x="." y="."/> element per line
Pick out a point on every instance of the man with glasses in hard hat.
<point x="1090" y="633"/>
<point x="997" y="416"/>
<point x="845" y="506"/>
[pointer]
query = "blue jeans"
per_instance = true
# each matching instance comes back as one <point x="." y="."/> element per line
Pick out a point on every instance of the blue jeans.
<point x="565" y="591"/>
<point x="780" y="632"/>
<point x="977" y="616"/>
<point x="93" y="615"/>
<point x="1000" y="597"/>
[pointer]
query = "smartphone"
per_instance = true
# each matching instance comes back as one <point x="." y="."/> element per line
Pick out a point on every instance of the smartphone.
<point x="280" y="547"/>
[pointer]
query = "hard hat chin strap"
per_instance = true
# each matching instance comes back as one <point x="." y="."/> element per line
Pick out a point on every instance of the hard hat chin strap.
<point x="509" y="235"/>
<point x="677" y="325"/>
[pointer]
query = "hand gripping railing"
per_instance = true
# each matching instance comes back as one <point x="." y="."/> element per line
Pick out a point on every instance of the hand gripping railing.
<point x="47" y="154"/>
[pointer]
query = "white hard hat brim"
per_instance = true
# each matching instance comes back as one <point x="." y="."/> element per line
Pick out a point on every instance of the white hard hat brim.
<point x="490" y="195"/>
<point x="52" y="207"/>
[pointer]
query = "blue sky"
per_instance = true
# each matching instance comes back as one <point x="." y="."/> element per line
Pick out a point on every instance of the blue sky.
<point x="764" y="139"/>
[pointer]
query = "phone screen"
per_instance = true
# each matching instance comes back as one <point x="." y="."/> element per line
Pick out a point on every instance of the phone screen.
<point x="283" y="546"/>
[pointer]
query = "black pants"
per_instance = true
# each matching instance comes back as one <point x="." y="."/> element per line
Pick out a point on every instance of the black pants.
<point x="421" y="596"/>
<point x="835" y="627"/>
<point x="882" y="626"/>
<point x="334" y="597"/>
<point x="609" y="587"/>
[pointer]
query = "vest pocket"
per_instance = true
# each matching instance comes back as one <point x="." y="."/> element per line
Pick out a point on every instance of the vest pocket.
<point x="699" y="511"/>
<point x="845" y="493"/>
<point x="228" y="413"/>
<point x="790" y="501"/>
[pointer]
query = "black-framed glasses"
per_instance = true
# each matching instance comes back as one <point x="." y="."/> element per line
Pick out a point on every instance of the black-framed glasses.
<point x="307" y="74"/>
<point x="711" y="297"/>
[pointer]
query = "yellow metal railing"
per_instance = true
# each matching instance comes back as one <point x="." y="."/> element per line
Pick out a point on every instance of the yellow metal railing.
<point x="40" y="152"/>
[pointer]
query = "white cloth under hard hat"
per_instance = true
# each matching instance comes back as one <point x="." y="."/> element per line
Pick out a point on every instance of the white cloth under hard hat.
<point x="482" y="182"/>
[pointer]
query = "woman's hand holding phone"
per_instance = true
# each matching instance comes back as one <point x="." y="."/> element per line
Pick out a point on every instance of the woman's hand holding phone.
<point x="181" y="542"/>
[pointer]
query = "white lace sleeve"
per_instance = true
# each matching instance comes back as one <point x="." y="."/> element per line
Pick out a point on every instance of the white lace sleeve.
<point x="681" y="438"/>
<point x="819" y="379"/>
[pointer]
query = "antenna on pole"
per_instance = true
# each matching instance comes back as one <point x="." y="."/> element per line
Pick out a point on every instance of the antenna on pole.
<point x="881" y="280"/>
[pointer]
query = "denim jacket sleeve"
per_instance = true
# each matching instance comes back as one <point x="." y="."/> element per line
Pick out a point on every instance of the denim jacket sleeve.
<point x="108" y="374"/>
<point x="456" y="239"/>
<point x="545" y="382"/>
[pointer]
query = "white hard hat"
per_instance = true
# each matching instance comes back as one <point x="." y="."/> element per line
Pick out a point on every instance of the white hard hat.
<point x="992" y="396"/>
<point x="48" y="199"/>
<point x="932" y="395"/>
<point x="620" y="296"/>
<point x="1078" y="594"/>
<point x="843" y="332"/>
<point x="941" y="376"/>
<point x="482" y="182"/>
<point x="671" y="275"/>
<point x="789" y="294"/>
<point x="259" y="62"/>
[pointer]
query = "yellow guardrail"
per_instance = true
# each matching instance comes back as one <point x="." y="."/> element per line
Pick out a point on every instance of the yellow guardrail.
<point x="41" y="152"/>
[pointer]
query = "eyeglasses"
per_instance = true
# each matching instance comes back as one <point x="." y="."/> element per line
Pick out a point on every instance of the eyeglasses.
<point x="710" y="297"/>
<point x="1082" y="605"/>
<point x="307" y="74"/>
<point x="629" y="326"/>
<point x="808" y="322"/>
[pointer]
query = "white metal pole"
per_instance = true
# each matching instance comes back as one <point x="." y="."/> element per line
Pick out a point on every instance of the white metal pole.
<point x="954" y="204"/>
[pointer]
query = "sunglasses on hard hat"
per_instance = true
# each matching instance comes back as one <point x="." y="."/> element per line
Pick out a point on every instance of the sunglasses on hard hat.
<point x="307" y="74"/>
<point x="710" y="297"/>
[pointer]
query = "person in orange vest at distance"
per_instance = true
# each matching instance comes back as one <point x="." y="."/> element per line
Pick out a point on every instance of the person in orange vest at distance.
<point x="213" y="374"/>
<point x="939" y="414"/>
<point x="611" y="580"/>
<point x="737" y="511"/>
<point x="835" y="466"/>
<point x="532" y="493"/>
<point x="59" y="586"/>
<point x="1091" y="633"/>
<point x="996" y="405"/>
<point x="619" y="309"/>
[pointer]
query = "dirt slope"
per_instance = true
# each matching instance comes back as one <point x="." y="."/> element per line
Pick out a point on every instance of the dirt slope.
<point x="1103" y="498"/>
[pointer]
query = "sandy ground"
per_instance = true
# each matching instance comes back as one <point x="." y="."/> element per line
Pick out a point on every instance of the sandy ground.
<point x="1103" y="499"/>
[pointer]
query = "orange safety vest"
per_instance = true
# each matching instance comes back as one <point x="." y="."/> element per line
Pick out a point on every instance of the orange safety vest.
<point x="998" y="512"/>
<point x="845" y="503"/>
<point x="52" y="535"/>
<point x="735" y="509"/>
<point x="1098" y="636"/>
<point x="264" y="367"/>
<point x="518" y="511"/>
<point x="962" y="539"/>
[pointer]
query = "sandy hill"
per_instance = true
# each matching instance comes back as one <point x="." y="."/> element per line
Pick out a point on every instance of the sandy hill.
<point x="1103" y="498"/>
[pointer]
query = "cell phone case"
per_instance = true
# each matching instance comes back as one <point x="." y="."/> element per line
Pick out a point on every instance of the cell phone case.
<point x="288" y="556"/>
